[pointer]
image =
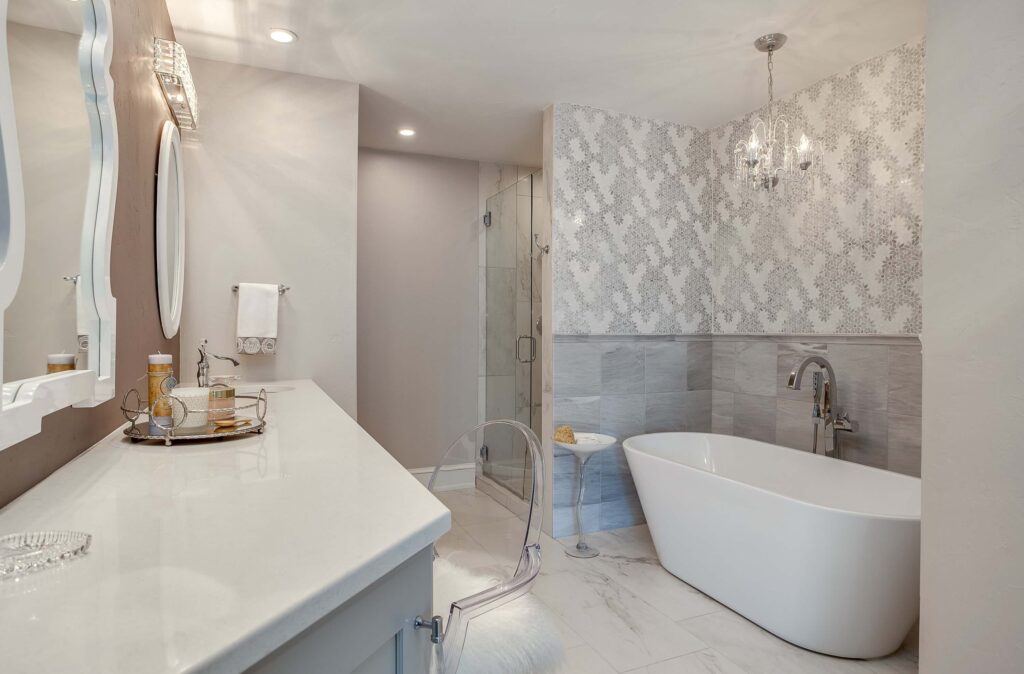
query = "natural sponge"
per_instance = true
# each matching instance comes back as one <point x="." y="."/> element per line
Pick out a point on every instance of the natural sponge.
<point x="565" y="434"/>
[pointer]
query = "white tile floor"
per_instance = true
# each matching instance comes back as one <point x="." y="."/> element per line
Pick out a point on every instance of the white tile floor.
<point x="621" y="612"/>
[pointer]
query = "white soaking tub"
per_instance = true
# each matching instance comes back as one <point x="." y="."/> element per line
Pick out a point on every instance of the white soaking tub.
<point x="821" y="552"/>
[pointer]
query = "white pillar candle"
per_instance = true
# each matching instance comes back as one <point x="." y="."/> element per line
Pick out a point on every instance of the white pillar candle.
<point x="161" y="359"/>
<point x="60" y="362"/>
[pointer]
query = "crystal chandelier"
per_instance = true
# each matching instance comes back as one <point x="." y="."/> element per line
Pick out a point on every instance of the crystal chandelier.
<point x="767" y="155"/>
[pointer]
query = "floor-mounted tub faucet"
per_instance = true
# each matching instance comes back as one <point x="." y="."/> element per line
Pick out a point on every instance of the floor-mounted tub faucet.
<point x="826" y="399"/>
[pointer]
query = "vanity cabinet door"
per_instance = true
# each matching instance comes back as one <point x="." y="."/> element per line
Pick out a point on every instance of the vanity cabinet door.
<point x="372" y="633"/>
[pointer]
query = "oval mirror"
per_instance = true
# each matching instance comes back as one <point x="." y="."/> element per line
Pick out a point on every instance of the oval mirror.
<point x="170" y="229"/>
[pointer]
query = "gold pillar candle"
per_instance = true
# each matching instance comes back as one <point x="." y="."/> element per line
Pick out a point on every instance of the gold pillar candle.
<point x="60" y="362"/>
<point x="161" y="366"/>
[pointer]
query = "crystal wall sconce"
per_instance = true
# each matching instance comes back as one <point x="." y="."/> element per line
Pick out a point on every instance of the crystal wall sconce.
<point x="171" y="68"/>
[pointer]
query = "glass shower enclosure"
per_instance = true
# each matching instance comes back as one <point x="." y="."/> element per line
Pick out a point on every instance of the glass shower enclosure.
<point x="512" y="329"/>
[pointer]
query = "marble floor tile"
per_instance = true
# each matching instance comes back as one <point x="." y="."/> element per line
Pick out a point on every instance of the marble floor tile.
<point x="459" y="548"/>
<point x="707" y="661"/>
<point x="584" y="660"/>
<point x="756" y="651"/>
<point x="503" y="539"/>
<point x="470" y="507"/>
<point x="623" y="629"/>
<point x="622" y="612"/>
<point x="632" y="562"/>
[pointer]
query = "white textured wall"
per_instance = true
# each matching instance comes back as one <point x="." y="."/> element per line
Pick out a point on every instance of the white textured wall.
<point x="271" y="186"/>
<point x="53" y="134"/>
<point x="972" y="584"/>
<point x="418" y="302"/>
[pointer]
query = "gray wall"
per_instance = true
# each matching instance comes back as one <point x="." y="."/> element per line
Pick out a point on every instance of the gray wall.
<point x="622" y="386"/>
<point x="735" y="385"/>
<point x="418" y="302"/>
<point x="972" y="602"/>
<point x="270" y="179"/>
<point x="879" y="387"/>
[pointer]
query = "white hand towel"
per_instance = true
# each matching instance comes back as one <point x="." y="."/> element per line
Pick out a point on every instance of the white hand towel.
<point x="256" y="330"/>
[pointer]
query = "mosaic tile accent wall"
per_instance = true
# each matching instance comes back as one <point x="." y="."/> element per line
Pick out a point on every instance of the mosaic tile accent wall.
<point x="632" y="236"/>
<point x="653" y="236"/>
<point x="839" y="253"/>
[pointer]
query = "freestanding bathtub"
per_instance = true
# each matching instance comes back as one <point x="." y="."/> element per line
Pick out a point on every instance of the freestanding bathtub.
<point x="823" y="553"/>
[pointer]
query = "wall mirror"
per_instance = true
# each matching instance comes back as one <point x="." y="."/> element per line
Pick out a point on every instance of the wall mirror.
<point x="58" y="177"/>
<point x="170" y="229"/>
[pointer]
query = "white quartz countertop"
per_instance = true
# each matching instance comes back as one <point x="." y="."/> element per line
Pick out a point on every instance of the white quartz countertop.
<point x="206" y="557"/>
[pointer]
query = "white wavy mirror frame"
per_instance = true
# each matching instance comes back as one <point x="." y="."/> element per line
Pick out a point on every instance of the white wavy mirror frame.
<point x="26" y="402"/>
<point x="170" y="229"/>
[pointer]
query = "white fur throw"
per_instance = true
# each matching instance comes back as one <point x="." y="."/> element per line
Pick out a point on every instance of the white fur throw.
<point x="516" y="638"/>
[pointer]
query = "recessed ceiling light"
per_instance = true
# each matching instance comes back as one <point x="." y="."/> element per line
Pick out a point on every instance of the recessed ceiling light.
<point x="283" y="35"/>
<point x="408" y="133"/>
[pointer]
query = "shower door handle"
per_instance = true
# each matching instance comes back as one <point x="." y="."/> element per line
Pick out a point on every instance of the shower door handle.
<point x="533" y="349"/>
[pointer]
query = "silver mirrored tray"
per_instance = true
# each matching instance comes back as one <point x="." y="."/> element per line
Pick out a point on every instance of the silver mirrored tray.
<point x="31" y="551"/>
<point x="139" y="432"/>
<point x="172" y="429"/>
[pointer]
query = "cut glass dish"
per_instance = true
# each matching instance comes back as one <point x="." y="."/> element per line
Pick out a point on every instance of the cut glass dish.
<point x="34" y="550"/>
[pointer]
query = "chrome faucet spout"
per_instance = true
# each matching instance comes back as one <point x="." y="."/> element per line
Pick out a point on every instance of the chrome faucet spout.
<point x="203" y="369"/>
<point x="798" y="374"/>
<point x="826" y="409"/>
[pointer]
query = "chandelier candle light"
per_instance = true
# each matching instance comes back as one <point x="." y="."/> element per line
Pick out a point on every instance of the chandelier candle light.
<point x="767" y="156"/>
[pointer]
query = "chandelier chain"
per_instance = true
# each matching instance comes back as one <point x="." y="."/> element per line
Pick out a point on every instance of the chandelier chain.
<point x="771" y="82"/>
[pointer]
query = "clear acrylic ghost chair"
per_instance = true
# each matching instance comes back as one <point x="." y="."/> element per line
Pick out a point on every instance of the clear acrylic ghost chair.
<point x="451" y="640"/>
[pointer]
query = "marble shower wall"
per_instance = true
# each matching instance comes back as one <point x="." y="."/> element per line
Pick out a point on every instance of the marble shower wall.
<point x="839" y="253"/>
<point x="632" y="247"/>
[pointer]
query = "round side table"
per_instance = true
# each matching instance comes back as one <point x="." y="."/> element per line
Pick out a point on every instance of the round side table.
<point x="586" y="446"/>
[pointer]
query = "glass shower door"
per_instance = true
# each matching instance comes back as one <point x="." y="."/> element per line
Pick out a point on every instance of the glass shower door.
<point x="511" y="337"/>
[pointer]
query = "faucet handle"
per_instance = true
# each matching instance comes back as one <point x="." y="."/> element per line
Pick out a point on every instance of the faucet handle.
<point x="844" y="423"/>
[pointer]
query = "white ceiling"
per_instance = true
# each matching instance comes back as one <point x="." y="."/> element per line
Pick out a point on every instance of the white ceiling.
<point x="53" y="14"/>
<point x="472" y="76"/>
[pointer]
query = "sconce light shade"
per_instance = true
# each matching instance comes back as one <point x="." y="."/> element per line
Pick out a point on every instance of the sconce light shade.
<point x="171" y="68"/>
